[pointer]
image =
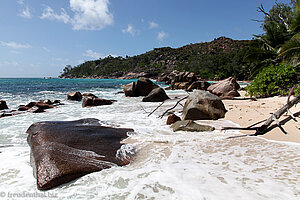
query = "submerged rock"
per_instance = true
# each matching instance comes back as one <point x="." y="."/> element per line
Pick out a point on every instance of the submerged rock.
<point x="74" y="96"/>
<point x="3" y="105"/>
<point x="156" y="95"/>
<point x="91" y="101"/>
<point x="62" y="151"/>
<point x="203" y="105"/>
<point x="189" y="125"/>
<point x="89" y="95"/>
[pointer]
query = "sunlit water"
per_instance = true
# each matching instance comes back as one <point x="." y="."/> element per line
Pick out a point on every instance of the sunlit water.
<point x="168" y="165"/>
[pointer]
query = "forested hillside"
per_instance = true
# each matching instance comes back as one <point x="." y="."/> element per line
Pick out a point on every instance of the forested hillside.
<point x="220" y="58"/>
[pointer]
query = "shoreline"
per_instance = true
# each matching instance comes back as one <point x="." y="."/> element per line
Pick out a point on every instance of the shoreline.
<point x="247" y="112"/>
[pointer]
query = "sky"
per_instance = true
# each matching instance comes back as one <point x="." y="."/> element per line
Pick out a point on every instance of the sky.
<point x="38" y="38"/>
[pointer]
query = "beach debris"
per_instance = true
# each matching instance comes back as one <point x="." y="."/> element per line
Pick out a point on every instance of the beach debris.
<point x="190" y="125"/>
<point x="225" y="88"/>
<point x="156" y="95"/>
<point x="172" y="119"/>
<point x="62" y="151"/>
<point x="202" y="105"/>
<point x="3" y="105"/>
<point x="178" y="102"/>
<point x="89" y="101"/>
<point x="74" y="96"/>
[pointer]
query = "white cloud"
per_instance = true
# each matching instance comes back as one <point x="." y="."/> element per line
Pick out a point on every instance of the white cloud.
<point x="46" y="49"/>
<point x="14" y="45"/>
<point x="48" y="13"/>
<point x="61" y="59"/>
<point x="153" y="25"/>
<point x="15" y="52"/>
<point x="21" y="2"/>
<point x="94" y="55"/>
<point x="11" y="63"/>
<point x="25" y="13"/>
<point x="130" y="29"/>
<point x="88" y="14"/>
<point x="161" y="36"/>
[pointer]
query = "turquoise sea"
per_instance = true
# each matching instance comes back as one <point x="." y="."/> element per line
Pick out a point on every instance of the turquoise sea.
<point x="168" y="165"/>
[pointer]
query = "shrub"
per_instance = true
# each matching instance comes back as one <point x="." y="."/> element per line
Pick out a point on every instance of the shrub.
<point x="274" y="80"/>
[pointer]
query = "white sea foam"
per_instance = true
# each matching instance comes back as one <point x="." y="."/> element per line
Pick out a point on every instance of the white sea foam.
<point x="168" y="165"/>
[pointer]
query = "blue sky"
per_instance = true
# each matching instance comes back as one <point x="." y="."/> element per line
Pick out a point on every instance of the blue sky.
<point x="40" y="37"/>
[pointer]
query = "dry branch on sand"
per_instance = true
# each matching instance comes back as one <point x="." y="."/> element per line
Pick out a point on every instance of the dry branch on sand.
<point x="260" y="130"/>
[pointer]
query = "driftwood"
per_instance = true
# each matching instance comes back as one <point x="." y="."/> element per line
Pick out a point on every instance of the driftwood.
<point x="274" y="117"/>
<point x="156" y="108"/>
<point x="178" y="102"/>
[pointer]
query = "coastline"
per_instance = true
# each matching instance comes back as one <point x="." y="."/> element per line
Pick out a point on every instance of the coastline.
<point x="247" y="112"/>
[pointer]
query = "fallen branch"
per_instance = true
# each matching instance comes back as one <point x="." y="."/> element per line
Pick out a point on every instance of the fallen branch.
<point x="274" y="117"/>
<point x="156" y="108"/>
<point x="277" y="115"/>
<point x="173" y="106"/>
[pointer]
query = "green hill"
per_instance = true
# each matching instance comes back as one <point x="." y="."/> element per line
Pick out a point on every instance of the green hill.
<point x="220" y="58"/>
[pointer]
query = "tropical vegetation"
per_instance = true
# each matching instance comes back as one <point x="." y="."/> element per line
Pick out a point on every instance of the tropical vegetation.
<point x="218" y="59"/>
<point x="275" y="55"/>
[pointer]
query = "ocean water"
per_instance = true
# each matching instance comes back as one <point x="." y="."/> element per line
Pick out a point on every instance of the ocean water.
<point x="168" y="165"/>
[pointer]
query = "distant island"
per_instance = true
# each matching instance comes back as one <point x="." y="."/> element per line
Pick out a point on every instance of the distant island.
<point x="218" y="59"/>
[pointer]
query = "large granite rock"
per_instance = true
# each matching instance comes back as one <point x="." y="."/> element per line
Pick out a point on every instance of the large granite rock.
<point x="144" y="86"/>
<point x="3" y="105"/>
<point x="203" y="105"/>
<point x="225" y="88"/>
<point x="90" y="101"/>
<point x="74" y="96"/>
<point x="156" y="95"/>
<point x="62" y="151"/>
<point x="189" y="125"/>
<point x="129" y="89"/>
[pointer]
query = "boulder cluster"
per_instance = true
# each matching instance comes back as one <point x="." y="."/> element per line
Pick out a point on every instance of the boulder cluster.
<point x="146" y="88"/>
<point x="183" y="81"/>
<point x="33" y="107"/>
<point x="88" y="99"/>
<point x="40" y="106"/>
<point x="188" y="81"/>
